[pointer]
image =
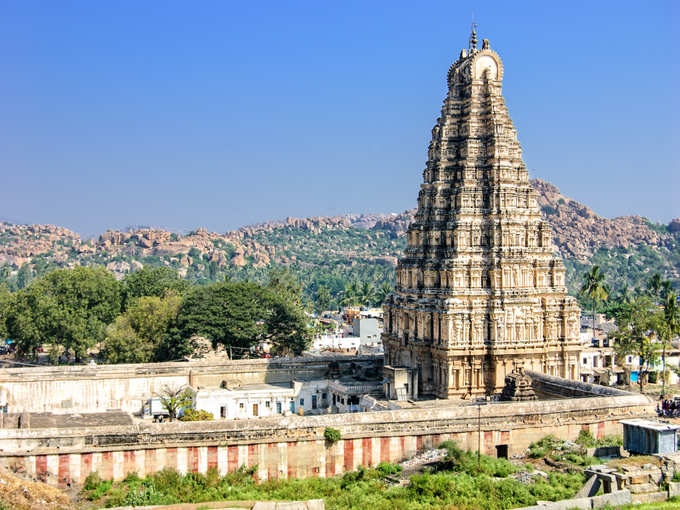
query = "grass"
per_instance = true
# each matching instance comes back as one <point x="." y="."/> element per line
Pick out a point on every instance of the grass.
<point x="457" y="482"/>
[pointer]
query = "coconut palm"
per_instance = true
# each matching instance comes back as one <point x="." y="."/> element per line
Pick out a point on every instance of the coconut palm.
<point x="367" y="294"/>
<point x="595" y="287"/>
<point x="669" y="326"/>
<point x="654" y="285"/>
<point x="383" y="291"/>
<point x="350" y="295"/>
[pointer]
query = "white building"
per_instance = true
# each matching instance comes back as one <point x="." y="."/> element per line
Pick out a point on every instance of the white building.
<point x="308" y="397"/>
<point x="336" y="342"/>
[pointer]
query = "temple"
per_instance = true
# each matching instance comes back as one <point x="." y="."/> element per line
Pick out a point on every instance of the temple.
<point x="479" y="291"/>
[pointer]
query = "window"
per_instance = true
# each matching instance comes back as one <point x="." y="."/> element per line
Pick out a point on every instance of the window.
<point x="302" y="401"/>
<point x="323" y="396"/>
<point x="267" y="404"/>
<point x="223" y="412"/>
<point x="585" y="361"/>
<point x="241" y="405"/>
<point x="278" y="407"/>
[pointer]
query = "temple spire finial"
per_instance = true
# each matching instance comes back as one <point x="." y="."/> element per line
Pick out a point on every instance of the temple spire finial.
<point x="472" y="44"/>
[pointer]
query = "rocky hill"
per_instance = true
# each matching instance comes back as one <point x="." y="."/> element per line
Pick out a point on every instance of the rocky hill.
<point x="331" y="250"/>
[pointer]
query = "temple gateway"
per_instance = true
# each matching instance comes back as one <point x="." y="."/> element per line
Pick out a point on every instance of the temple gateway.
<point x="479" y="290"/>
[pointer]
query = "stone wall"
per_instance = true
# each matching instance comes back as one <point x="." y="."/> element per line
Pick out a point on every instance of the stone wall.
<point x="90" y="389"/>
<point x="293" y="446"/>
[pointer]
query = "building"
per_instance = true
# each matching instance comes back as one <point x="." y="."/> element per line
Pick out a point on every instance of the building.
<point x="368" y="331"/>
<point x="479" y="289"/>
<point x="649" y="437"/>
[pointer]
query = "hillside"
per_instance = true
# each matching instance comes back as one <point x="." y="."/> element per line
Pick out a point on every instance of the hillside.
<point x="334" y="250"/>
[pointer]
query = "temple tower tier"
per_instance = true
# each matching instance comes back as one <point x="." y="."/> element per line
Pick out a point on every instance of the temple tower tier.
<point x="479" y="290"/>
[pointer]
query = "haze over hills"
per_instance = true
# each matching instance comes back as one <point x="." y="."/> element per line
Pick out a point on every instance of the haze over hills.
<point x="333" y="250"/>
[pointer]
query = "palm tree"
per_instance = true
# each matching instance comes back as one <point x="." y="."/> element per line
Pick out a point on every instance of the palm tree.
<point x="367" y="293"/>
<point x="654" y="285"/>
<point x="350" y="295"/>
<point x="383" y="291"/>
<point x="595" y="287"/>
<point x="666" y="288"/>
<point x="670" y="326"/>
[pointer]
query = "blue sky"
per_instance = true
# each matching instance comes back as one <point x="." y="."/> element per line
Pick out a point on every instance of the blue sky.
<point x="220" y="114"/>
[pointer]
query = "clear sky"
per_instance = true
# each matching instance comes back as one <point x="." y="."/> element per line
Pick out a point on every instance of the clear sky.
<point x="220" y="114"/>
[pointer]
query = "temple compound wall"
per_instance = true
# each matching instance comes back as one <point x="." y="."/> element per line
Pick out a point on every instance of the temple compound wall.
<point x="294" y="446"/>
<point x="97" y="388"/>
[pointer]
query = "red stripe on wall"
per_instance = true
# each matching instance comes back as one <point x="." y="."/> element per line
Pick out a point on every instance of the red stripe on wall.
<point x="192" y="459"/>
<point x="232" y="458"/>
<point x="149" y="461"/>
<point x="107" y="465"/>
<point x="212" y="457"/>
<point x="600" y="430"/>
<point x="171" y="458"/>
<point x="348" y="448"/>
<point x="505" y="436"/>
<point x="419" y="443"/>
<point x="366" y="452"/>
<point x="64" y="470"/>
<point x="402" y="449"/>
<point x="41" y="467"/>
<point x="290" y="459"/>
<point x="252" y="455"/>
<point x="128" y="462"/>
<point x="271" y="466"/>
<point x="384" y="449"/>
<point x="85" y="465"/>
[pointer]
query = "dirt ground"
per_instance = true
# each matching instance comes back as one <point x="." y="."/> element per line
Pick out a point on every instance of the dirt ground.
<point x="19" y="494"/>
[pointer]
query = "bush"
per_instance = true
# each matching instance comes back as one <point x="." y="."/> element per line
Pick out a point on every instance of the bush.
<point x="332" y="435"/>
<point x="387" y="469"/>
<point x="196" y="415"/>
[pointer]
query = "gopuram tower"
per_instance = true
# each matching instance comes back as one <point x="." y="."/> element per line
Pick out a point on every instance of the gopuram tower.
<point x="479" y="290"/>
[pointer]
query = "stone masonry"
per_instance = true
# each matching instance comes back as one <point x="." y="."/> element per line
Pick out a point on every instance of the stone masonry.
<point x="479" y="290"/>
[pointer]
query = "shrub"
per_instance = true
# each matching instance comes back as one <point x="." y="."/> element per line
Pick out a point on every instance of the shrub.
<point x="387" y="469"/>
<point x="196" y="415"/>
<point x="332" y="435"/>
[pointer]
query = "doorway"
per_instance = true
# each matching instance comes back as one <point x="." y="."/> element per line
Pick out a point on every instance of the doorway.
<point x="502" y="451"/>
<point x="255" y="410"/>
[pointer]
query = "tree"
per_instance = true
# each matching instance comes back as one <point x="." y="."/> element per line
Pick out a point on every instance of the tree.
<point x="350" y="295"/>
<point x="5" y="298"/>
<point x="322" y="299"/>
<point x="367" y="294"/>
<point x="636" y="324"/>
<point x="151" y="281"/>
<point x="654" y="286"/>
<point x="24" y="276"/>
<point x="383" y="291"/>
<point x="595" y="287"/>
<point x="68" y="308"/>
<point x="136" y="335"/>
<point x="667" y="327"/>
<point x="241" y="315"/>
<point x="174" y="400"/>
<point x="283" y="282"/>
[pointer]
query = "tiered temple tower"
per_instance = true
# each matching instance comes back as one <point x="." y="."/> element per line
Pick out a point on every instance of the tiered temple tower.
<point x="479" y="290"/>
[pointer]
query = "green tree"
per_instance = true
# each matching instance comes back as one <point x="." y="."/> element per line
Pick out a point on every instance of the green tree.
<point x="383" y="291"/>
<point x="151" y="281"/>
<point x="667" y="327"/>
<point x="136" y="335"/>
<point x="284" y="282"/>
<point x="350" y="295"/>
<point x="24" y="276"/>
<point x="5" y="298"/>
<point x="322" y="299"/>
<point x="68" y="308"/>
<point x="367" y="294"/>
<point x="595" y="287"/>
<point x="654" y="286"/>
<point x="175" y="399"/>
<point x="636" y="324"/>
<point x="242" y="314"/>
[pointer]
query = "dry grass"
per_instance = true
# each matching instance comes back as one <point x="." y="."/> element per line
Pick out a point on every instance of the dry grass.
<point x="19" y="494"/>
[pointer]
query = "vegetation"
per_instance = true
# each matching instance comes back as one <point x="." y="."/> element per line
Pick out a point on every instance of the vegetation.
<point x="196" y="415"/>
<point x="595" y="287"/>
<point x="150" y="315"/>
<point x="174" y="400"/>
<point x="462" y="487"/>
<point x="332" y="435"/>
